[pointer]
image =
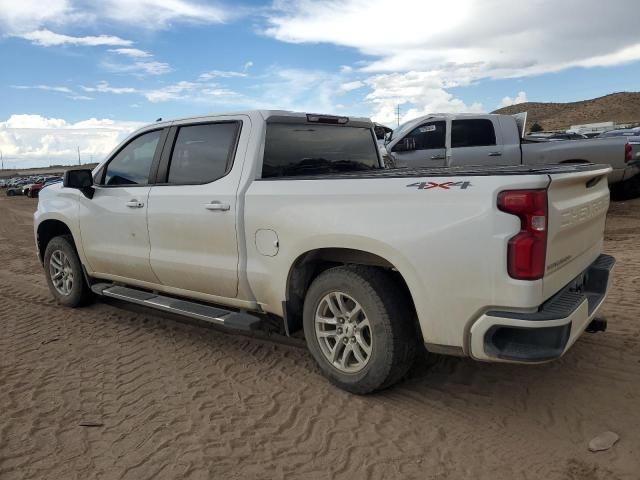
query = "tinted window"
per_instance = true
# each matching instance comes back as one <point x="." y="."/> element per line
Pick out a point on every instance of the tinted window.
<point x="301" y="149"/>
<point x="202" y="153"/>
<point x="131" y="166"/>
<point x="430" y="135"/>
<point x="472" y="133"/>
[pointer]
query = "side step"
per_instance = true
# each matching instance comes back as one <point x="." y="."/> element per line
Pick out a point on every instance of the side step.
<point x="218" y="316"/>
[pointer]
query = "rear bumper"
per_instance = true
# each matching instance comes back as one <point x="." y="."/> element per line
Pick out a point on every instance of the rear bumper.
<point x="546" y="334"/>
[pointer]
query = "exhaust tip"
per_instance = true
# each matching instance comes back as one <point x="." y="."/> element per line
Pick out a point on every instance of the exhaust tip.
<point x="597" y="325"/>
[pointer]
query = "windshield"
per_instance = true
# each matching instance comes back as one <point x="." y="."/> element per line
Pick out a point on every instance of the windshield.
<point x="401" y="130"/>
<point x="303" y="149"/>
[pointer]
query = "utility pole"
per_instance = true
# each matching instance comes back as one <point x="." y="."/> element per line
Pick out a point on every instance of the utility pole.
<point x="78" y="155"/>
<point x="398" y="114"/>
<point x="2" y="160"/>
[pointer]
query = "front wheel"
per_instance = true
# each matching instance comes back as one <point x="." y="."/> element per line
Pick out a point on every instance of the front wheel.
<point x="359" y="328"/>
<point x="64" y="273"/>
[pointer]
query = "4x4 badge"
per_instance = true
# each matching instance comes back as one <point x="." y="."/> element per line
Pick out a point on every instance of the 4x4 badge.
<point x="444" y="186"/>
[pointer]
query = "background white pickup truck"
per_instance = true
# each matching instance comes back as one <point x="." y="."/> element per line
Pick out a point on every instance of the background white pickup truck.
<point x="233" y="217"/>
<point x="471" y="139"/>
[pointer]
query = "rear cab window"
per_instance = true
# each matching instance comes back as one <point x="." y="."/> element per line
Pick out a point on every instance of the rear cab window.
<point x="297" y="149"/>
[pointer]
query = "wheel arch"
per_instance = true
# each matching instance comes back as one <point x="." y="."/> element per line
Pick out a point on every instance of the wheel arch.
<point x="308" y="265"/>
<point x="49" y="229"/>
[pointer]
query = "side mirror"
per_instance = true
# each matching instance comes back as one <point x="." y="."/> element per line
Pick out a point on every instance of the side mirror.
<point x="80" y="180"/>
<point x="406" y="145"/>
<point x="380" y="133"/>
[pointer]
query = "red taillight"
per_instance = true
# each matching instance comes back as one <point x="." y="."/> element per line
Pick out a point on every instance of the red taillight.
<point x="331" y="119"/>
<point x="628" y="153"/>
<point x="528" y="249"/>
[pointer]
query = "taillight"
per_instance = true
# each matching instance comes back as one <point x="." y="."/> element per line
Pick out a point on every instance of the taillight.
<point x="628" y="153"/>
<point x="331" y="119"/>
<point x="528" y="249"/>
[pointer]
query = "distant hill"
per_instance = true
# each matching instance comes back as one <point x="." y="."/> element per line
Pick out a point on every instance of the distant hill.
<point x="621" y="107"/>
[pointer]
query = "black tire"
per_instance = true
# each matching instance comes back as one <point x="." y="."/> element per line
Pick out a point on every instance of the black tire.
<point x="11" y="193"/>
<point x="394" y="330"/>
<point x="80" y="293"/>
<point x="627" y="189"/>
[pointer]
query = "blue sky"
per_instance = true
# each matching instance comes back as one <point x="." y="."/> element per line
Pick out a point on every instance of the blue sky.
<point x="84" y="74"/>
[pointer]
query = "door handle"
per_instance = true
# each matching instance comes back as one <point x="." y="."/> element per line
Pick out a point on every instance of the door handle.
<point x="218" y="206"/>
<point x="438" y="157"/>
<point x="134" y="204"/>
<point x="495" y="154"/>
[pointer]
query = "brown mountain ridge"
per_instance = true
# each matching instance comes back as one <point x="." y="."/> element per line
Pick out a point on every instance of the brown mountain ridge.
<point x="622" y="107"/>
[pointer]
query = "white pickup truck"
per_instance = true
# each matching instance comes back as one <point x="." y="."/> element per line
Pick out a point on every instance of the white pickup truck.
<point x="491" y="139"/>
<point x="233" y="218"/>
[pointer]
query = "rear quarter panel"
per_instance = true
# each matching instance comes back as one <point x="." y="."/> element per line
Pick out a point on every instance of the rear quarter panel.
<point x="608" y="151"/>
<point x="449" y="244"/>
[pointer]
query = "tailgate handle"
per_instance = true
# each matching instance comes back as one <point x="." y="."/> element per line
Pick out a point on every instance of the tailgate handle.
<point x="594" y="181"/>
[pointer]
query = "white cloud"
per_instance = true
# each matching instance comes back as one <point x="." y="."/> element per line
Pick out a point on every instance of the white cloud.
<point x="476" y="35"/>
<point x="25" y="15"/>
<point x="508" y="101"/>
<point x="170" y="92"/>
<point x="418" y="93"/>
<point x="49" y="88"/>
<point x="459" y="42"/>
<point x="29" y="140"/>
<point x="19" y="16"/>
<point x="131" y="52"/>
<point x="192" y="91"/>
<point x="161" y="13"/>
<point x="104" y="87"/>
<point x="220" y="74"/>
<point x="349" y="86"/>
<point x="150" y="67"/>
<point x="53" y="88"/>
<point x="247" y="66"/>
<point x="47" y="38"/>
<point x="80" y="97"/>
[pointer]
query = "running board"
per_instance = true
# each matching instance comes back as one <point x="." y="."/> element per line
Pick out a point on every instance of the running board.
<point x="198" y="311"/>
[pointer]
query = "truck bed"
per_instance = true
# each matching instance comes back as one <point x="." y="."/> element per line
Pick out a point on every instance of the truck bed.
<point x="460" y="171"/>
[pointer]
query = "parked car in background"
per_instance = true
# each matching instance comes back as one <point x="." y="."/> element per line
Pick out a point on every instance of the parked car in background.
<point x="3" y="183"/>
<point x="16" y="188"/>
<point x="624" y="132"/>
<point x="27" y="187"/>
<point x="34" y="191"/>
<point x="294" y="215"/>
<point x="440" y="140"/>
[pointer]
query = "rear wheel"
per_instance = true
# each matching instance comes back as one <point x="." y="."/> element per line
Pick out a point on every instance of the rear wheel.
<point x="627" y="189"/>
<point x="360" y="330"/>
<point x="10" y="193"/>
<point x="64" y="273"/>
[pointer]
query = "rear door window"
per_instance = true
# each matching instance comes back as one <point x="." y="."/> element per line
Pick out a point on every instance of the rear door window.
<point x="203" y="153"/>
<point x="303" y="149"/>
<point x="472" y="133"/>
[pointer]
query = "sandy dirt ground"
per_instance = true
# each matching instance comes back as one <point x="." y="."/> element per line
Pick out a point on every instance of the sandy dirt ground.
<point x="177" y="400"/>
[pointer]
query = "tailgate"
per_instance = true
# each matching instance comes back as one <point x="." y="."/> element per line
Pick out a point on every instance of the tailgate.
<point x="578" y="204"/>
